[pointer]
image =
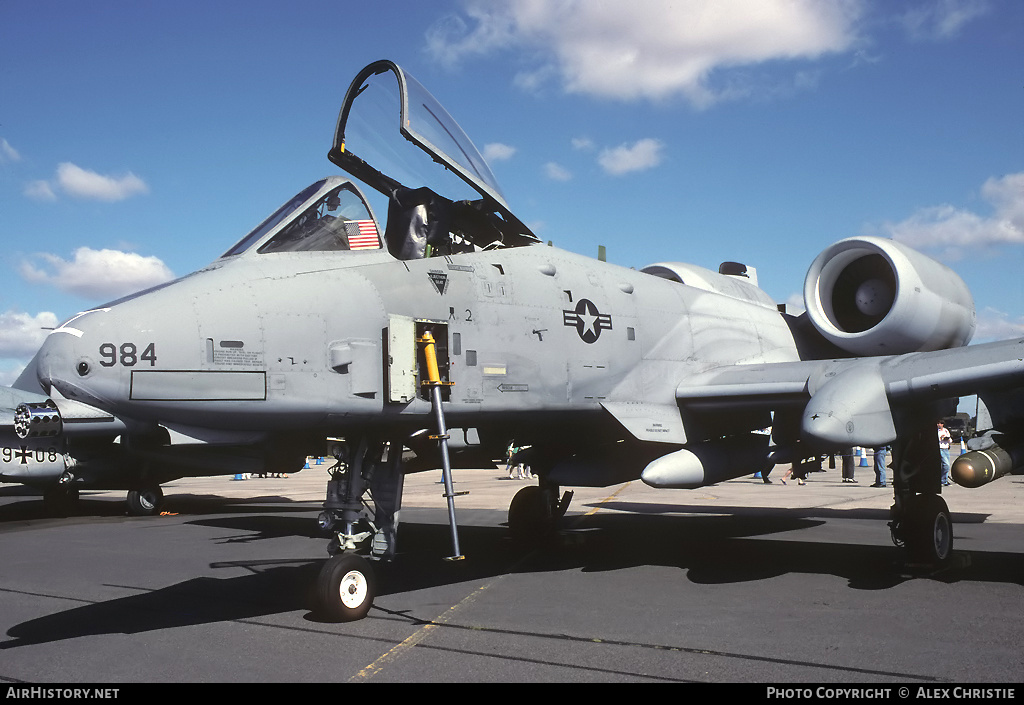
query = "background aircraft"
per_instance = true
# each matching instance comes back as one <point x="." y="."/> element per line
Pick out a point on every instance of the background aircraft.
<point x="60" y="447"/>
<point x="321" y="323"/>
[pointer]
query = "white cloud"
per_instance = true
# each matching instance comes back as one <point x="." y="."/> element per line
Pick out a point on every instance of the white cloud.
<point x="795" y="304"/>
<point x="98" y="274"/>
<point x="584" y="144"/>
<point x="22" y="334"/>
<point x="996" y="325"/>
<point x="83" y="183"/>
<point x="7" y="152"/>
<point x="557" y="172"/>
<point x="639" y="156"/>
<point x="498" y="152"/>
<point x="40" y="191"/>
<point x="957" y="230"/>
<point x="451" y="38"/>
<point x="942" y="19"/>
<point x="645" y="49"/>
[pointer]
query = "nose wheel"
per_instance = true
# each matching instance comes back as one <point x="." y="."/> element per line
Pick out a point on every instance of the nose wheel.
<point x="345" y="588"/>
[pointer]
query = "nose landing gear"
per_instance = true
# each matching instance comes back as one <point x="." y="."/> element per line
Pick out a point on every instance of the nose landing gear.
<point x="346" y="587"/>
<point x="362" y="537"/>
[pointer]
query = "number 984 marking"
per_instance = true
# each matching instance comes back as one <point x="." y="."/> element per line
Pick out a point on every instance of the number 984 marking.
<point x="127" y="355"/>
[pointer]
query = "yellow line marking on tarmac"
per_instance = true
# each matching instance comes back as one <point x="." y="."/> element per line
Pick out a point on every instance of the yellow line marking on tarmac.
<point x="606" y="499"/>
<point x="395" y="652"/>
<point x="421" y="634"/>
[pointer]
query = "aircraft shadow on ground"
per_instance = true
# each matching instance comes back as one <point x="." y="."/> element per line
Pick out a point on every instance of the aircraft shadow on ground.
<point x="33" y="508"/>
<point x="806" y="513"/>
<point x="252" y="528"/>
<point x="277" y="587"/>
<point x="717" y="549"/>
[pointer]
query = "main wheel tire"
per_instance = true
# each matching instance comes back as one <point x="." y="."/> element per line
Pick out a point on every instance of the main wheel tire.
<point x="930" y="530"/>
<point x="529" y="519"/>
<point x="145" y="502"/>
<point x="345" y="588"/>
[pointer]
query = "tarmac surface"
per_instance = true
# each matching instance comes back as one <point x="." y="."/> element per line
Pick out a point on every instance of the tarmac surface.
<point x="742" y="582"/>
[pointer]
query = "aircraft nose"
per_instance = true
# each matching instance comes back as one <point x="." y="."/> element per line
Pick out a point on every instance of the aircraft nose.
<point x="53" y="356"/>
<point x="62" y="362"/>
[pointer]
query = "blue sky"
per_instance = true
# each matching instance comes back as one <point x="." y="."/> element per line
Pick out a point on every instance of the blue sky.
<point x="139" y="140"/>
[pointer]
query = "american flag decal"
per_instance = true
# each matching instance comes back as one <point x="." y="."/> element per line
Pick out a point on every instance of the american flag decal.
<point x="362" y="235"/>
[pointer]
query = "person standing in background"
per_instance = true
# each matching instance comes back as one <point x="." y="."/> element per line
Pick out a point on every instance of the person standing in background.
<point x="944" y="440"/>
<point x="848" y="465"/>
<point x="881" y="455"/>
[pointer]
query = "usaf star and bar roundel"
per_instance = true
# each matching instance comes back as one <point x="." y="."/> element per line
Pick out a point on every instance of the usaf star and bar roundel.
<point x="587" y="320"/>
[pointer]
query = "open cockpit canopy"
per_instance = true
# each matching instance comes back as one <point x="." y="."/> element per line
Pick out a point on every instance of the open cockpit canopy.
<point x="441" y="196"/>
<point x="431" y="210"/>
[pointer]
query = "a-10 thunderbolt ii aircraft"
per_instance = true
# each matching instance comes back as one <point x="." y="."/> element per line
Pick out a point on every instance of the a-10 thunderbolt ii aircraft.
<point x="450" y="321"/>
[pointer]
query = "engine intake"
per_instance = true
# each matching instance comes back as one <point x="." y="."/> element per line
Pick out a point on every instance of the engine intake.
<point x="872" y="296"/>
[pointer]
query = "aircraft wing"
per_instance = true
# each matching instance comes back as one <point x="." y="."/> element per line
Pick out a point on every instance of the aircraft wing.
<point x="849" y="402"/>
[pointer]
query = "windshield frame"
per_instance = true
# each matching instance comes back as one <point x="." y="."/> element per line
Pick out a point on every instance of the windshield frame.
<point x="275" y="219"/>
<point x="293" y="208"/>
<point x="429" y="116"/>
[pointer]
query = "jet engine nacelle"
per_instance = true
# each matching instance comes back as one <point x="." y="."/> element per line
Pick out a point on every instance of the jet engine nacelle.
<point x="872" y="296"/>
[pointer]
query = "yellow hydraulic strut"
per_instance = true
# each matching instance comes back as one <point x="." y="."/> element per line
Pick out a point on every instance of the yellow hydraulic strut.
<point x="434" y="382"/>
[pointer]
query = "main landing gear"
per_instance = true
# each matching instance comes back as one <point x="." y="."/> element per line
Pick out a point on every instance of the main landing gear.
<point x="535" y="510"/>
<point x="62" y="498"/>
<point x="920" y="520"/>
<point x="145" y="501"/>
<point x="925" y="530"/>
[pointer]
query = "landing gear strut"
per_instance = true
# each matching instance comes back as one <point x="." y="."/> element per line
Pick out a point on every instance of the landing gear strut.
<point x="347" y="584"/>
<point x="921" y="522"/>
